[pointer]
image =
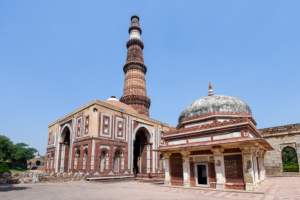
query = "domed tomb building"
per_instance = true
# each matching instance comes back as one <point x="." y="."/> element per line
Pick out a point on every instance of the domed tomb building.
<point x="216" y="144"/>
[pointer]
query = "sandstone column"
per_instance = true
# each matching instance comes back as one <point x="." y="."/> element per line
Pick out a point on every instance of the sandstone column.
<point x="260" y="165"/>
<point x="167" y="167"/>
<point x="219" y="166"/>
<point x="248" y="167"/>
<point x="186" y="167"/>
<point x="255" y="155"/>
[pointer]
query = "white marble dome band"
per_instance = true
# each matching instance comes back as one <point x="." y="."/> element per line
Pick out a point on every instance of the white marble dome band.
<point x="214" y="103"/>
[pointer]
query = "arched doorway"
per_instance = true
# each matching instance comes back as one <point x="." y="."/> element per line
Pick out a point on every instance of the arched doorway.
<point x="38" y="163"/>
<point x="140" y="151"/>
<point x="289" y="160"/>
<point x="65" y="145"/>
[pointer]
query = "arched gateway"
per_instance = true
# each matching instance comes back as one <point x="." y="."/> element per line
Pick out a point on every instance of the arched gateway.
<point x="65" y="149"/>
<point x="141" y="157"/>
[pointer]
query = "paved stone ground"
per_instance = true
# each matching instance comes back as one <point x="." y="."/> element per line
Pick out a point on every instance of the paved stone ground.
<point x="282" y="188"/>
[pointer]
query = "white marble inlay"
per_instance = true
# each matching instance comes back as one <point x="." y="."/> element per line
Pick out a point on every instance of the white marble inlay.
<point x="104" y="146"/>
<point x="201" y="139"/>
<point x="177" y="142"/>
<point x="199" y="123"/>
<point x="201" y="158"/>
<point x="135" y="34"/>
<point x="227" y="136"/>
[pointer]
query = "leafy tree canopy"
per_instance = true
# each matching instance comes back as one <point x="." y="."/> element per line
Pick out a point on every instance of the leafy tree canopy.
<point x="18" y="153"/>
<point x="5" y="147"/>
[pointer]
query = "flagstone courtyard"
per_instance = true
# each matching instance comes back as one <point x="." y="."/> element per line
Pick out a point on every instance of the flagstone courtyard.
<point x="279" y="188"/>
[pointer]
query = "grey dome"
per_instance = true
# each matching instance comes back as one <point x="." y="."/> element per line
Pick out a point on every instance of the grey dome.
<point x="213" y="103"/>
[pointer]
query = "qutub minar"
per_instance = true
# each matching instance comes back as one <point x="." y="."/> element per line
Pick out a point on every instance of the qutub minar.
<point x="215" y="144"/>
<point x="135" y="92"/>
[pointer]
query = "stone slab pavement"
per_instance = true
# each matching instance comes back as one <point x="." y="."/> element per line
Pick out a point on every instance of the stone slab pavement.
<point x="282" y="188"/>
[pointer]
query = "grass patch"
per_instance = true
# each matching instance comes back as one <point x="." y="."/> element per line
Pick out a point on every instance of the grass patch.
<point x="290" y="169"/>
<point x="16" y="168"/>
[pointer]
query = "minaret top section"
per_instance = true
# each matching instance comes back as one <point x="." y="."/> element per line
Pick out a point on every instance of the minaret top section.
<point x="135" y="30"/>
<point x="135" y="19"/>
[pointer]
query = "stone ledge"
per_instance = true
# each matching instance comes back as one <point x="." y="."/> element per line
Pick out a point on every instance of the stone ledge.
<point x="262" y="191"/>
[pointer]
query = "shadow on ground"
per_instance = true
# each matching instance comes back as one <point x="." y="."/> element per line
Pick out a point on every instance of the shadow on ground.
<point x="7" y="188"/>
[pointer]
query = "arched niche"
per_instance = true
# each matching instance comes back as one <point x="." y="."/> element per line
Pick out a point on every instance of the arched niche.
<point x="104" y="159"/>
<point x="289" y="159"/>
<point x="118" y="160"/>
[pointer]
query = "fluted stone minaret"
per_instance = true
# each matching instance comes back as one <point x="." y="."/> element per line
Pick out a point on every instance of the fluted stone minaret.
<point x="135" y="92"/>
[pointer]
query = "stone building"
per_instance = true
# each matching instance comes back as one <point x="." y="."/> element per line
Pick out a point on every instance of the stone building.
<point x="285" y="140"/>
<point x="216" y="144"/>
<point x="111" y="138"/>
<point x="36" y="161"/>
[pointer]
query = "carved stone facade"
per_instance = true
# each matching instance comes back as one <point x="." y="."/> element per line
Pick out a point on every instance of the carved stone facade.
<point x="104" y="139"/>
<point x="281" y="137"/>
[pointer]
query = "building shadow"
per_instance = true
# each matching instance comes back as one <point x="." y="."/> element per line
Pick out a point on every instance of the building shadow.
<point x="8" y="187"/>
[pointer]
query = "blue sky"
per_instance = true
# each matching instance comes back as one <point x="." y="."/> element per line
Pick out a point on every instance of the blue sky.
<point x="56" y="56"/>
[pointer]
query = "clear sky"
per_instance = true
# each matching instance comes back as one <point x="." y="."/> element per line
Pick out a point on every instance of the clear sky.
<point x="56" y="56"/>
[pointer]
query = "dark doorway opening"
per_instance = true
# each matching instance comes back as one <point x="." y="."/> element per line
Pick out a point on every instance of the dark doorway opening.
<point x="140" y="152"/>
<point x="202" y="174"/>
<point x="38" y="163"/>
<point x="66" y="142"/>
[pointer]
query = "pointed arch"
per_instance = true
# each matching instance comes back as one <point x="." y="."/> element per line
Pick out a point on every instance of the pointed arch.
<point x="118" y="159"/>
<point x="85" y="154"/>
<point x="77" y="155"/>
<point x="63" y="132"/>
<point x="148" y="132"/>
<point x="104" y="159"/>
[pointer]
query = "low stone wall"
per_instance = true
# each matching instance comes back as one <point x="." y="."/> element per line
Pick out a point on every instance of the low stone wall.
<point x="28" y="178"/>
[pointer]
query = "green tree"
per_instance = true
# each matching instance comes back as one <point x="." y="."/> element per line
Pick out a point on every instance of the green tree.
<point x="17" y="153"/>
<point x="22" y="153"/>
<point x="5" y="147"/>
<point x="4" y="168"/>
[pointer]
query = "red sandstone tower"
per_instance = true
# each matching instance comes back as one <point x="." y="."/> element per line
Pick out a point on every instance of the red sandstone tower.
<point x="135" y="92"/>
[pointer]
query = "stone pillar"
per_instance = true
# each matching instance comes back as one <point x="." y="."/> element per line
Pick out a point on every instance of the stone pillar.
<point x="264" y="176"/>
<point x="186" y="167"/>
<point x="248" y="167"/>
<point x="261" y="165"/>
<point x="62" y="162"/>
<point x="219" y="166"/>
<point x="167" y="167"/>
<point x="255" y="155"/>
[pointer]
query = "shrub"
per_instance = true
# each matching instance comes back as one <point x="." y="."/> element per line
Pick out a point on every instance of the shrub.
<point x="290" y="169"/>
<point x="4" y="168"/>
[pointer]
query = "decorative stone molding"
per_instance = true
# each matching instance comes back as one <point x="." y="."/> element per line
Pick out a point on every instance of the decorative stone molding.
<point x="167" y="155"/>
<point x="135" y="65"/>
<point x="133" y="41"/>
<point x="247" y="149"/>
<point x="213" y="125"/>
<point x="261" y="153"/>
<point x="136" y="99"/>
<point x="185" y="153"/>
<point x="217" y="151"/>
<point x="246" y="114"/>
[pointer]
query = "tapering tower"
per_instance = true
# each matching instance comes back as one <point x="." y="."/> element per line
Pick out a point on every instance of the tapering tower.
<point x="135" y="92"/>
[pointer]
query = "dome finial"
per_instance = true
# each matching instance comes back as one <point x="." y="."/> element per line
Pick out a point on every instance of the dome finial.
<point x="210" y="90"/>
